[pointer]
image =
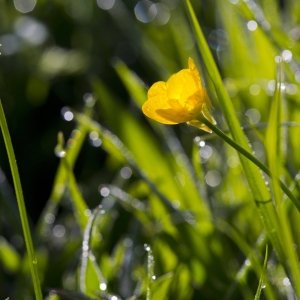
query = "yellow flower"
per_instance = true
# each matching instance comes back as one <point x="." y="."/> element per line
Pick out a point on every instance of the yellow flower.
<point x="181" y="99"/>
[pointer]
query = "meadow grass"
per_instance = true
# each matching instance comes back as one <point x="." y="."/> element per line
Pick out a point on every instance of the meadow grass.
<point x="186" y="215"/>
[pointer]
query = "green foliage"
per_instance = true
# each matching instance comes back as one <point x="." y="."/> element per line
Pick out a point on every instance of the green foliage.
<point x="170" y="212"/>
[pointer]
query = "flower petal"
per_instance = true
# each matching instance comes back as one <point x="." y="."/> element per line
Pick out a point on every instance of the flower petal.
<point x="194" y="71"/>
<point x="181" y="99"/>
<point x="175" y="115"/>
<point x="181" y="86"/>
<point x="157" y="98"/>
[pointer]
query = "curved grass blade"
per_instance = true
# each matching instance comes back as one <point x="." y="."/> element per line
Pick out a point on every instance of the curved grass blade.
<point x="79" y="204"/>
<point x="91" y="278"/>
<point x="254" y="177"/>
<point x="72" y="150"/>
<point x="21" y="204"/>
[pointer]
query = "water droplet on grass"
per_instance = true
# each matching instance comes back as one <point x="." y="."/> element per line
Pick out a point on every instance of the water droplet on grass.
<point x="60" y="151"/>
<point x="147" y="247"/>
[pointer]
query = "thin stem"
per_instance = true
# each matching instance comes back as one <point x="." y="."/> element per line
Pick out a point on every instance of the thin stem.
<point x="252" y="158"/>
<point x="21" y="205"/>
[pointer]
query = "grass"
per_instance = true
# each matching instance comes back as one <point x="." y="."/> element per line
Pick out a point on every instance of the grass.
<point x="175" y="213"/>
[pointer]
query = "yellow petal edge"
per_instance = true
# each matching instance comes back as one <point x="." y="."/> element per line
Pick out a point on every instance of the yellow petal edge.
<point x="181" y="99"/>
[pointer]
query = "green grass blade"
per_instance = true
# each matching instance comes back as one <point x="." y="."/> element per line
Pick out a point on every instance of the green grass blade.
<point x="273" y="138"/>
<point x="262" y="277"/>
<point x="259" y="190"/>
<point x="21" y="205"/>
<point x="79" y="203"/>
<point x="257" y="184"/>
<point x="74" y="145"/>
<point x="150" y="271"/>
<point x="91" y="278"/>
<point x="161" y="286"/>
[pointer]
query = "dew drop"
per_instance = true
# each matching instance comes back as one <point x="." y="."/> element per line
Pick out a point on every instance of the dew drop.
<point x="60" y="151"/>
<point x="147" y="247"/>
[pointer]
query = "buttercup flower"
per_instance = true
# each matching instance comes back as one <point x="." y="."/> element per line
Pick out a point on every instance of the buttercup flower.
<point x="181" y="99"/>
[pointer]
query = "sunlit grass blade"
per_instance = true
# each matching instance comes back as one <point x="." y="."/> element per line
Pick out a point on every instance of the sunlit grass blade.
<point x="21" y="204"/>
<point x="79" y="203"/>
<point x="256" y="182"/>
<point x="273" y="143"/>
<point x="91" y="278"/>
<point x="262" y="282"/>
<point x="161" y="286"/>
<point x="72" y="150"/>
<point x="150" y="271"/>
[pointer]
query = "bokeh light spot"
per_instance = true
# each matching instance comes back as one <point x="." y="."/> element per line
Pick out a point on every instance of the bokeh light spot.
<point x="254" y="89"/>
<point x="213" y="178"/>
<point x="24" y="6"/>
<point x="142" y="11"/>
<point x="30" y="30"/>
<point x="104" y="192"/>
<point x="126" y="172"/>
<point x="292" y="89"/>
<point x="59" y="231"/>
<point x="218" y="39"/>
<point x="252" y="25"/>
<point x="253" y="115"/>
<point x="68" y="116"/>
<point x="160" y="13"/>
<point x="287" y="55"/>
<point x="106" y="4"/>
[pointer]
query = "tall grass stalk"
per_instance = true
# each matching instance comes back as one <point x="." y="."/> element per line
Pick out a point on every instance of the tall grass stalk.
<point x="21" y="204"/>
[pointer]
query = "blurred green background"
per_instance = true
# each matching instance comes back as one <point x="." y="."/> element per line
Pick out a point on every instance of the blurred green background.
<point x="56" y="54"/>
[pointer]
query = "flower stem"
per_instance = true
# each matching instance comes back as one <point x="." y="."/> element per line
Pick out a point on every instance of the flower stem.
<point x="21" y="205"/>
<point x="252" y="158"/>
